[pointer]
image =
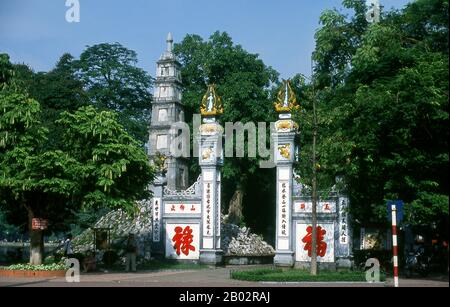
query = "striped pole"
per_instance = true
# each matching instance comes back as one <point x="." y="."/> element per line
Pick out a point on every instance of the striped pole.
<point x="394" y="243"/>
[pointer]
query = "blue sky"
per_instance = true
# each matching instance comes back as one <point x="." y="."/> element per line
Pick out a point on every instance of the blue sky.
<point x="280" y="31"/>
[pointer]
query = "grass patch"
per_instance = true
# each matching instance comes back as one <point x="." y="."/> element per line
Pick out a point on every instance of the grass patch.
<point x="296" y="275"/>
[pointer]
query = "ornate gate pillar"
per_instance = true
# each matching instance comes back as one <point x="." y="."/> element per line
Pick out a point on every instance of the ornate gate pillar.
<point x="211" y="161"/>
<point x="284" y="152"/>
<point x="283" y="139"/>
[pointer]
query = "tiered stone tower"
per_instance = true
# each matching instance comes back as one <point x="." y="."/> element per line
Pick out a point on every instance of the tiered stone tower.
<point x="168" y="109"/>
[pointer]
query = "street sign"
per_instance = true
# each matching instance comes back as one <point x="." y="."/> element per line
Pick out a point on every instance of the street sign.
<point x="398" y="206"/>
<point x="39" y="224"/>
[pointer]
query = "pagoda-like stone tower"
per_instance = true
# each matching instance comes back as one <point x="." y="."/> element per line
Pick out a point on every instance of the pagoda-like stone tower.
<point x="167" y="109"/>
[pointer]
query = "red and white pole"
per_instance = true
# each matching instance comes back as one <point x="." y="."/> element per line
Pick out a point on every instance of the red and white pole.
<point x="394" y="243"/>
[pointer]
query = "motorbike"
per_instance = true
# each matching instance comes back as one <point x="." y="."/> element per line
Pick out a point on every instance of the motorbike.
<point x="417" y="262"/>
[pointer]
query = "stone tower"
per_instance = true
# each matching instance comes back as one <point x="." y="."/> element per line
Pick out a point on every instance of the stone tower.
<point x="166" y="110"/>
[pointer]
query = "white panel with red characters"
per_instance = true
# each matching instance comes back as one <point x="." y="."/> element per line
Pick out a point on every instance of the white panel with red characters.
<point x="322" y="207"/>
<point x="182" y="208"/>
<point x="325" y="242"/>
<point x="183" y="241"/>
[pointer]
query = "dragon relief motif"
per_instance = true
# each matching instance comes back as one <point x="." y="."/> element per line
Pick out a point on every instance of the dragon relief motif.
<point x="207" y="153"/>
<point x="285" y="151"/>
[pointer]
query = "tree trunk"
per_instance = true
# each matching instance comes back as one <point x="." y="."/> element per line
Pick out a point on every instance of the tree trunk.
<point x="36" y="242"/>
<point x="314" y="195"/>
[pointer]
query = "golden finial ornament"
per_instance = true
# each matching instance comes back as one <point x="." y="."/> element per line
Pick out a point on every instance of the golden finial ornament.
<point x="211" y="103"/>
<point x="286" y="99"/>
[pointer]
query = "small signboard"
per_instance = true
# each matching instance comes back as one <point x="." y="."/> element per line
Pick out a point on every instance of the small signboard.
<point x="39" y="224"/>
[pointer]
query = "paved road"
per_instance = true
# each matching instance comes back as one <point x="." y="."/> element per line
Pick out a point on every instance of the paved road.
<point x="213" y="277"/>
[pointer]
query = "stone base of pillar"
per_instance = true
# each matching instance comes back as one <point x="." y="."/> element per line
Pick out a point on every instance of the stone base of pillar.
<point x="213" y="257"/>
<point x="326" y="266"/>
<point x="344" y="263"/>
<point x="284" y="258"/>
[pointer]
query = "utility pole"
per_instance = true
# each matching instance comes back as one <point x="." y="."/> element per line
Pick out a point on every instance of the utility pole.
<point x="314" y="181"/>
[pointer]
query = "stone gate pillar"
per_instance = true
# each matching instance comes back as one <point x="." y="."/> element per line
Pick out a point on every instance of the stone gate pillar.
<point x="211" y="161"/>
<point x="283" y="140"/>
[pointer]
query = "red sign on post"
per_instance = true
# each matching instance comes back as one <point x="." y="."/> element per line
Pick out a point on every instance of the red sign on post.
<point x="39" y="224"/>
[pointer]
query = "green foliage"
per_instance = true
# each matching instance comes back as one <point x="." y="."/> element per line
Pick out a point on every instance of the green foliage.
<point x="333" y="147"/>
<point x="97" y="164"/>
<point x="382" y="92"/>
<point x="114" y="82"/>
<point x="243" y="81"/>
<point x="6" y="69"/>
<point x="296" y="275"/>
<point x="6" y="229"/>
<point x="40" y="267"/>
<point x="112" y="169"/>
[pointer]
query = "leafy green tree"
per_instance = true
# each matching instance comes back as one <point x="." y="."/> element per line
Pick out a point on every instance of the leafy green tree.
<point x="99" y="165"/>
<point x="243" y="81"/>
<point x="376" y="112"/>
<point x="114" y="168"/>
<point x="114" y="82"/>
<point x="386" y="87"/>
<point x="57" y="91"/>
<point x="324" y="151"/>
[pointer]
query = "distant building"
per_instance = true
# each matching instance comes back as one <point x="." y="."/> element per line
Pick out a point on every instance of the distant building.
<point x="167" y="109"/>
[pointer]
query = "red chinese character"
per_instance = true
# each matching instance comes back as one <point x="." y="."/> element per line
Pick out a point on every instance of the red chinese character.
<point x="172" y="208"/>
<point x="321" y="244"/>
<point x="183" y="240"/>
<point x="327" y="207"/>
<point x="182" y="207"/>
<point x="192" y="208"/>
<point x="302" y="206"/>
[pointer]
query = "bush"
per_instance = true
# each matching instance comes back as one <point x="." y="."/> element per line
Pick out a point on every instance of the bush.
<point x="41" y="267"/>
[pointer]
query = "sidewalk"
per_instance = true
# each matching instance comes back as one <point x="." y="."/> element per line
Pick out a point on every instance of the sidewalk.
<point x="212" y="277"/>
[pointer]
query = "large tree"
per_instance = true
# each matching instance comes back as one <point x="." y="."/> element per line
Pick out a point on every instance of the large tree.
<point x="244" y="82"/>
<point x="98" y="165"/>
<point x="387" y="86"/>
<point x="114" y="82"/>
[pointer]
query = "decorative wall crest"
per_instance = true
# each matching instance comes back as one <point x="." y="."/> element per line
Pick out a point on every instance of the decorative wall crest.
<point x="210" y="128"/>
<point x="286" y="126"/>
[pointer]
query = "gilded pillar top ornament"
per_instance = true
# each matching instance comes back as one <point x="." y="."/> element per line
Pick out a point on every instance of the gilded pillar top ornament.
<point x="286" y="99"/>
<point x="211" y="103"/>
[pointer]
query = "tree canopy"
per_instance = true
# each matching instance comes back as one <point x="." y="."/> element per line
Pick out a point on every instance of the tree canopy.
<point x="96" y="164"/>
<point x="244" y="82"/>
<point x="383" y="95"/>
<point x="114" y="82"/>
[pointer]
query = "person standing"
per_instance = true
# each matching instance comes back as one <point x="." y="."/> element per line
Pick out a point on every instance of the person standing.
<point x="68" y="249"/>
<point x="131" y="252"/>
